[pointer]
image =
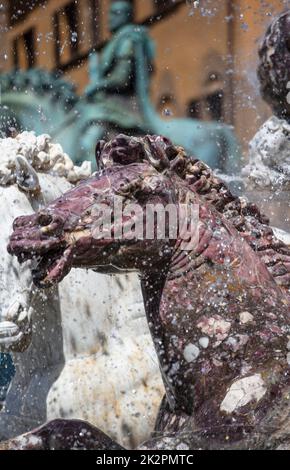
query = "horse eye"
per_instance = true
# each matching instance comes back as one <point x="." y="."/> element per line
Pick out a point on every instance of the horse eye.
<point x="288" y="44"/>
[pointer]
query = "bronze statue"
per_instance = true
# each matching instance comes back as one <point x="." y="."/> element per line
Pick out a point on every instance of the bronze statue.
<point x="115" y="72"/>
<point x="116" y="100"/>
<point x="119" y="91"/>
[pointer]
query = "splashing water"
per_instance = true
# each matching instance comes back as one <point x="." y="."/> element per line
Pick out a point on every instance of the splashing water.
<point x="206" y="7"/>
<point x="193" y="4"/>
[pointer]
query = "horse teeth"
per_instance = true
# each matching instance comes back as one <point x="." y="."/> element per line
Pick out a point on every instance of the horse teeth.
<point x="8" y="328"/>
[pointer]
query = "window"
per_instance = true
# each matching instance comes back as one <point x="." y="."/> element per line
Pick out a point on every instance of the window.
<point x="93" y="10"/>
<point x="66" y="31"/>
<point x="162" y="5"/>
<point x="210" y="106"/>
<point x="24" y="50"/>
<point x="215" y="105"/>
<point x="214" y="96"/>
<point x="194" y="109"/>
<point x="76" y="28"/>
<point x="167" y="105"/>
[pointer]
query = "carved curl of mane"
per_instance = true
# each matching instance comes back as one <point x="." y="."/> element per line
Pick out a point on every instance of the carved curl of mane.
<point x="164" y="156"/>
<point x="245" y="216"/>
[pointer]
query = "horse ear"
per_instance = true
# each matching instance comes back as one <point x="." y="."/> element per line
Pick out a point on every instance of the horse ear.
<point x="26" y="176"/>
<point x="156" y="152"/>
<point x="121" y="150"/>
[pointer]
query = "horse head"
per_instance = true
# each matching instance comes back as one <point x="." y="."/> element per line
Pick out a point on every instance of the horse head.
<point x="28" y="165"/>
<point x="204" y="289"/>
<point x="70" y="232"/>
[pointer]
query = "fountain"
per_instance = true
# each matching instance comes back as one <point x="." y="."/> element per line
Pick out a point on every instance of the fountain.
<point x="218" y="310"/>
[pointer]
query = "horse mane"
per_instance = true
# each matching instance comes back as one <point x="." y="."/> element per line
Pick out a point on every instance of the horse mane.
<point x="26" y="151"/>
<point x="41" y="82"/>
<point x="245" y="216"/>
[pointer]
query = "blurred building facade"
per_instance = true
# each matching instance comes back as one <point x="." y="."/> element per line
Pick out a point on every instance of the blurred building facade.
<point x="206" y="57"/>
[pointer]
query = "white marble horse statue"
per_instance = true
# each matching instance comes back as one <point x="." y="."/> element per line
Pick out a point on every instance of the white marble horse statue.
<point x="82" y="350"/>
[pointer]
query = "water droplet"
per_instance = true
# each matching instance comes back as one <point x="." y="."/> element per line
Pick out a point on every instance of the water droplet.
<point x="167" y="112"/>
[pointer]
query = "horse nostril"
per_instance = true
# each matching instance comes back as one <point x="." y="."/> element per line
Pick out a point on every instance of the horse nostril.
<point x="44" y="219"/>
<point x="20" y="222"/>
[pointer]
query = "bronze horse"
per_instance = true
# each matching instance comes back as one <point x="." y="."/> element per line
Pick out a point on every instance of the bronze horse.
<point x="218" y="311"/>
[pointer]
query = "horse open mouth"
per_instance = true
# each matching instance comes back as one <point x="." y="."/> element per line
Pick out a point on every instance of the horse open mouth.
<point x="52" y="267"/>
